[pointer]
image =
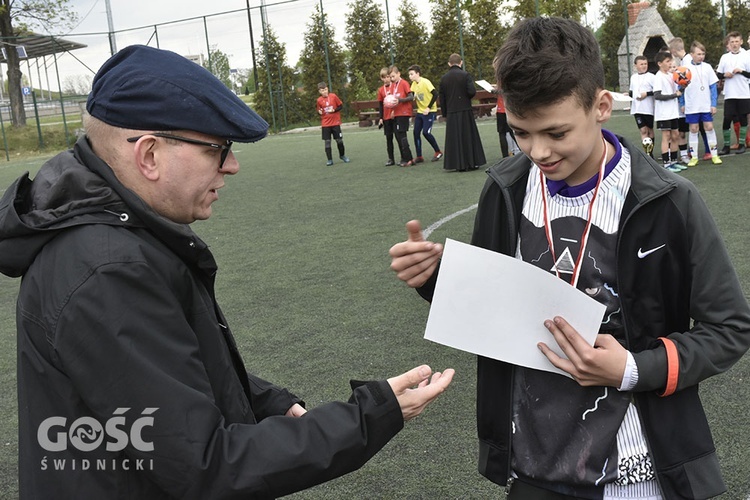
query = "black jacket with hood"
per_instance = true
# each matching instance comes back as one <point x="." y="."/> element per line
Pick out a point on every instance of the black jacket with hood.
<point x="130" y="384"/>
<point x="660" y="293"/>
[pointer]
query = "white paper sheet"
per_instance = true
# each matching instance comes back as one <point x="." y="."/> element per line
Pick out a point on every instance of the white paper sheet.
<point x="493" y="305"/>
<point x="485" y="85"/>
<point x="616" y="96"/>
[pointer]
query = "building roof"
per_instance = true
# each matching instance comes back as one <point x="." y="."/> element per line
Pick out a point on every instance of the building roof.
<point x="37" y="45"/>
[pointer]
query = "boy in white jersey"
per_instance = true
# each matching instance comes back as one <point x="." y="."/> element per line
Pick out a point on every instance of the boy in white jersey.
<point x="699" y="101"/>
<point x="667" y="111"/>
<point x="629" y="422"/>
<point x="734" y="69"/>
<point x="642" y="106"/>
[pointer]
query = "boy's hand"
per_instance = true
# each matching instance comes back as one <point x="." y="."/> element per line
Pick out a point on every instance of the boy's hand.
<point x="415" y="259"/>
<point x="415" y="389"/>
<point x="601" y="365"/>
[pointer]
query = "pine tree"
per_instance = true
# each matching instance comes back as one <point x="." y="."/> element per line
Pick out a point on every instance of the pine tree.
<point x="366" y="43"/>
<point x="610" y="36"/>
<point x="570" y="9"/>
<point x="738" y="16"/>
<point x="444" y="40"/>
<point x="410" y="39"/>
<point x="276" y="99"/>
<point x="312" y="65"/>
<point x="698" y="22"/>
<point x="486" y="34"/>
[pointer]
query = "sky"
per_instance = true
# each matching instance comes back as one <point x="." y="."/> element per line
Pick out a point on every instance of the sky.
<point x="134" y="22"/>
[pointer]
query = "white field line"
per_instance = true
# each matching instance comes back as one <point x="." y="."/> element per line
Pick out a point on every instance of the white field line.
<point x="432" y="227"/>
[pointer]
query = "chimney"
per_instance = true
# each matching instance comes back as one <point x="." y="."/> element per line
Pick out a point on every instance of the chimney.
<point x="634" y="9"/>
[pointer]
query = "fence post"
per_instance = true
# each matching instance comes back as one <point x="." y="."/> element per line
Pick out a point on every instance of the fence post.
<point x="36" y="116"/>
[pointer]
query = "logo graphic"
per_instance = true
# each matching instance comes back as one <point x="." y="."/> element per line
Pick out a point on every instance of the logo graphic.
<point x="642" y="254"/>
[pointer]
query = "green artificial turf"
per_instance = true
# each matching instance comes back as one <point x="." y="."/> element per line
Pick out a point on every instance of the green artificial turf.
<point x="305" y="283"/>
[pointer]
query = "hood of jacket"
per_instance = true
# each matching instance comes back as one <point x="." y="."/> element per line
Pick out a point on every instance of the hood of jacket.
<point x="74" y="188"/>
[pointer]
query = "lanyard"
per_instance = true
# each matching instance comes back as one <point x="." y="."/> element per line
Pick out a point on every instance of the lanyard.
<point x="586" y="230"/>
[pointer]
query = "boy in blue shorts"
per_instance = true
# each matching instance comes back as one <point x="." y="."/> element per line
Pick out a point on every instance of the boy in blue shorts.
<point x="628" y="423"/>
<point x="699" y="102"/>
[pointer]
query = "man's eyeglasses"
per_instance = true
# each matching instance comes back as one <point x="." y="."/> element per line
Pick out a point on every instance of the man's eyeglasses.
<point x="225" y="148"/>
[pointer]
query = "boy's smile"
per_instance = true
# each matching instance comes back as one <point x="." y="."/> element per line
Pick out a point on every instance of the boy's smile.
<point x="563" y="139"/>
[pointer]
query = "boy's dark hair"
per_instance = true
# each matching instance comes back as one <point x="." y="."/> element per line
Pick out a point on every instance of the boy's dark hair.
<point x="734" y="34"/>
<point x="662" y="55"/>
<point x="322" y="85"/>
<point x="415" y="68"/>
<point x="640" y="58"/>
<point x="545" y="60"/>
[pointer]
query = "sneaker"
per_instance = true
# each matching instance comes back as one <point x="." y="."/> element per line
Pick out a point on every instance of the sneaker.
<point x="437" y="156"/>
<point x="345" y="158"/>
<point x="680" y="165"/>
<point x="329" y="162"/>
<point x="419" y="159"/>
<point x="693" y="162"/>
<point x="740" y="149"/>
<point x="390" y="163"/>
<point x="724" y="151"/>
<point x="672" y="167"/>
<point x="406" y="163"/>
<point x="707" y="156"/>
<point x="716" y="160"/>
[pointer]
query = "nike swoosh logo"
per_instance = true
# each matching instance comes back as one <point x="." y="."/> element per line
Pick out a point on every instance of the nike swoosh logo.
<point x="642" y="254"/>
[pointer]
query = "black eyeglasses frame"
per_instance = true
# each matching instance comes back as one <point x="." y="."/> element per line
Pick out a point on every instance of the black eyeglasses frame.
<point x="225" y="148"/>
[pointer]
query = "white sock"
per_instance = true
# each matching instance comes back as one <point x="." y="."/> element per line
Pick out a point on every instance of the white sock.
<point x="693" y="142"/>
<point x="711" y="136"/>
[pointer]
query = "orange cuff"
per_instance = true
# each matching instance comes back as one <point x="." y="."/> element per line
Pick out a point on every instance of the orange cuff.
<point x="673" y="367"/>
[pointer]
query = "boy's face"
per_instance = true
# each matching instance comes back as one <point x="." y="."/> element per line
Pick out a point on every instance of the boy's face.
<point x="564" y="139"/>
<point x="323" y="91"/>
<point x="734" y="44"/>
<point x="386" y="79"/>
<point x="698" y="55"/>
<point x="665" y="65"/>
<point x="641" y="66"/>
<point x="395" y="76"/>
<point x="413" y="75"/>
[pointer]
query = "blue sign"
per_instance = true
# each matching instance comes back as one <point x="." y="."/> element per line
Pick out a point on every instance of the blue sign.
<point x="26" y="90"/>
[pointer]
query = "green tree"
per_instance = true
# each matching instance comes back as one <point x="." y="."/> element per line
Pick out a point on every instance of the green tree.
<point x="698" y="22"/>
<point x="218" y="64"/>
<point x="738" y="16"/>
<point x="319" y="39"/>
<point x="570" y="9"/>
<point x="610" y="35"/>
<point x="410" y="38"/>
<point x="366" y="42"/>
<point x="486" y="34"/>
<point x="17" y="18"/>
<point x="444" y="40"/>
<point x="276" y="99"/>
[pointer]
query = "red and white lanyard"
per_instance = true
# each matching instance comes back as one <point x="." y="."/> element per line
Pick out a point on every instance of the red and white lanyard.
<point x="587" y="229"/>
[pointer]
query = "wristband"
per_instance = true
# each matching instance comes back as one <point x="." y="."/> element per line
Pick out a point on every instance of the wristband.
<point x="673" y="367"/>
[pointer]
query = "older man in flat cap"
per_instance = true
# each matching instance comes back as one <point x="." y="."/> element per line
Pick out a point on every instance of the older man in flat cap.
<point x="130" y="384"/>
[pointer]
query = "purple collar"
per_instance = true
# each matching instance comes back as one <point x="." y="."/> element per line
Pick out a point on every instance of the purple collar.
<point x="562" y="188"/>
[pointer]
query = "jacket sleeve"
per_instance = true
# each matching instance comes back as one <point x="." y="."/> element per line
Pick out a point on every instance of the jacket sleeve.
<point x="120" y="349"/>
<point x="720" y="333"/>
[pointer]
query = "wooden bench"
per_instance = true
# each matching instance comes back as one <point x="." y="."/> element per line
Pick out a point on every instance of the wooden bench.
<point x="367" y="111"/>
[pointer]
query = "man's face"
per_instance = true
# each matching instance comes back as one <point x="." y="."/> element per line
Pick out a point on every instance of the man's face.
<point x="641" y="66"/>
<point x="395" y="76"/>
<point x="189" y="177"/>
<point x="564" y="139"/>
<point x="323" y="91"/>
<point x="698" y="55"/>
<point x="413" y="75"/>
<point x="735" y="43"/>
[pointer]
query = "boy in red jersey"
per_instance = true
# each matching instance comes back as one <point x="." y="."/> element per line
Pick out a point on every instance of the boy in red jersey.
<point x="386" y="121"/>
<point x="329" y="108"/>
<point x="401" y="114"/>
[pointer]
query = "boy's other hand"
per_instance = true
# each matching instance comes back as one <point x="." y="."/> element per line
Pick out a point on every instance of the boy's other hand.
<point x="600" y="365"/>
<point x="415" y="259"/>
<point x="415" y="389"/>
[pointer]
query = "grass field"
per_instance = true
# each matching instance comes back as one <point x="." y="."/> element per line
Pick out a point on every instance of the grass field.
<point x="305" y="283"/>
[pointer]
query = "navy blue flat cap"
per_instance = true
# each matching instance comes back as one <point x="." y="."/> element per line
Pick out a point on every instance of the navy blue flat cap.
<point x="144" y="88"/>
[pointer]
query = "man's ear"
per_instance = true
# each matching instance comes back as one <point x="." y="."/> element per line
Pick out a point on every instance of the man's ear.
<point x="603" y="106"/>
<point x="145" y="150"/>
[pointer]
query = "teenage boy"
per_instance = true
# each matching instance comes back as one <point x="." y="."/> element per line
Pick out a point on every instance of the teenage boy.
<point x="682" y="58"/>
<point x="733" y="69"/>
<point x="700" y="103"/>
<point x="386" y="121"/>
<point x="426" y="95"/>
<point x="329" y="108"/>
<point x="629" y="423"/>
<point x="401" y="114"/>
<point x="642" y="106"/>
<point x="667" y="111"/>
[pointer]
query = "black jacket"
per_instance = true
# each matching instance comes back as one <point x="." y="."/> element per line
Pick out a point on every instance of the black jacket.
<point x="659" y="295"/>
<point x="130" y="384"/>
<point x="456" y="91"/>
